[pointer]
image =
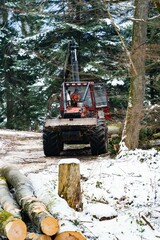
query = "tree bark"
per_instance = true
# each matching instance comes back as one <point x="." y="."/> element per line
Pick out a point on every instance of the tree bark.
<point x="11" y="226"/>
<point x="69" y="183"/>
<point x="70" y="235"/>
<point x="8" y="73"/>
<point x="134" y="114"/>
<point x="35" y="209"/>
<point x="7" y="202"/>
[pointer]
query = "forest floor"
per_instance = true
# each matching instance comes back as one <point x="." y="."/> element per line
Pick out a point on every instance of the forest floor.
<point x="121" y="196"/>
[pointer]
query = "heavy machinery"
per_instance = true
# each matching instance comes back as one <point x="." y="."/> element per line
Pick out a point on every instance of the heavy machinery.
<point x="81" y="120"/>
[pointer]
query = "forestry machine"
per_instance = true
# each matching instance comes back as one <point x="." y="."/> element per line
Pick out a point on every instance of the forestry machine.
<point x="83" y="111"/>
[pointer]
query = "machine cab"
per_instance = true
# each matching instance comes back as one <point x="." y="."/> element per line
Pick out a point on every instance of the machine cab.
<point x="83" y="99"/>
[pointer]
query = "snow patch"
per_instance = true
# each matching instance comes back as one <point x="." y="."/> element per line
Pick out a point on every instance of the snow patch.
<point x="102" y="211"/>
<point x="69" y="161"/>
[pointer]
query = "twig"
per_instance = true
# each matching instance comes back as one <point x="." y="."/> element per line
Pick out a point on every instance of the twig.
<point x="142" y="20"/>
<point x="136" y="19"/>
<point x="155" y="17"/>
<point x="148" y="223"/>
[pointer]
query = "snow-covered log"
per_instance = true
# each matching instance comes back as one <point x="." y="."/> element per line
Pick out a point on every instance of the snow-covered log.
<point x="7" y="202"/>
<point x="70" y="235"/>
<point x="36" y="236"/>
<point x="35" y="209"/>
<point x="11" y="226"/>
<point x="69" y="183"/>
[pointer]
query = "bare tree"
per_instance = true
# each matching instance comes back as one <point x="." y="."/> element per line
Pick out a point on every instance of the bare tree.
<point x="130" y="135"/>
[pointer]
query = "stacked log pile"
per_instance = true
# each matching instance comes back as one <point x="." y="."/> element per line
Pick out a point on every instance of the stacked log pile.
<point x="11" y="224"/>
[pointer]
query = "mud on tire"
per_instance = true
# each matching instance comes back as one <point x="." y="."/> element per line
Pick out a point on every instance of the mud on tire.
<point x="52" y="143"/>
<point x="98" y="138"/>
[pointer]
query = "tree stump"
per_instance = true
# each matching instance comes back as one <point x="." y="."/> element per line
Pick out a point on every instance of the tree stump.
<point x="69" y="182"/>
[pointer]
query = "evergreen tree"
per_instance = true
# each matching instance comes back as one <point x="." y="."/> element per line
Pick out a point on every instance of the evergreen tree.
<point x="35" y="35"/>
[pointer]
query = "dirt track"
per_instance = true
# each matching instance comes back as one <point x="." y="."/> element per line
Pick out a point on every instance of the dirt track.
<point x="25" y="149"/>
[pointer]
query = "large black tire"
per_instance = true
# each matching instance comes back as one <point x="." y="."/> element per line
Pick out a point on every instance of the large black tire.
<point x="99" y="139"/>
<point x="52" y="143"/>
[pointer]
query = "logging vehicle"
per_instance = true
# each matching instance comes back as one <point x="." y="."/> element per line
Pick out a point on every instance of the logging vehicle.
<point x="83" y="112"/>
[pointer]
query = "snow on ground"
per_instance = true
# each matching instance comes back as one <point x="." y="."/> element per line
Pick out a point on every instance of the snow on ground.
<point x="121" y="197"/>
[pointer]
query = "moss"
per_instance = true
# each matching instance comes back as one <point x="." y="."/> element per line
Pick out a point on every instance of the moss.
<point x="4" y="216"/>
<point x="2" y="178"/>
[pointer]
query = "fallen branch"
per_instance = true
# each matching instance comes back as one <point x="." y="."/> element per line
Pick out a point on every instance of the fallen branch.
<point x="35" y="209"/>
<point x="11" y="226"/>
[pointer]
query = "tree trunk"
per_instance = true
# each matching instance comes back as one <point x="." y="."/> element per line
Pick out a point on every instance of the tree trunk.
<point x="69" y="183"/>
<point x="137" y="75"/>
<point x="70" y="235"/>
<point x="12" y="227"/>
<point x="6" y="200"/>
<point x="35" y="209"/>
<point x="8" y="71"/>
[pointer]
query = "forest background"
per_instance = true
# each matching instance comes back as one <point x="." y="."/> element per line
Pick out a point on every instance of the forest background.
<point x="34" y="38"/>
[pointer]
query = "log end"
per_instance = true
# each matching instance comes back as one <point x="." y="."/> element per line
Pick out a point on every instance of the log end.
<point x="16" y="230"/>
<point x="70" y="235"/>
<point x="36" y="236"/>
<point x="49" y="226"/>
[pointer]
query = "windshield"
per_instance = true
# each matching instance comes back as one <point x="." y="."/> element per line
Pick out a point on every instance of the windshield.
<point x="83" y="91"/>
<point x="100" y="95"/>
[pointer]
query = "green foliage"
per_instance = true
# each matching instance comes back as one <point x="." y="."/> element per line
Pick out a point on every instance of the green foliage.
<point x="34" y="39"/>
<point x="113" y="146"/>
<point x="146" y="134"/>
<point x="98" y="184"/>
<point x="76" y="222"/>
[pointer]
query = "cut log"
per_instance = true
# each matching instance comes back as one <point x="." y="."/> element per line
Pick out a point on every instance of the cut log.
<point x="69" y="183"/>
<point x="7" y="202"/>
<point x="39" y="215"/>
<point x="12" y="227"/>
<point x="36" y="236"/>
<point x="70" y="235"/>
<point x="35" y="209"/>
